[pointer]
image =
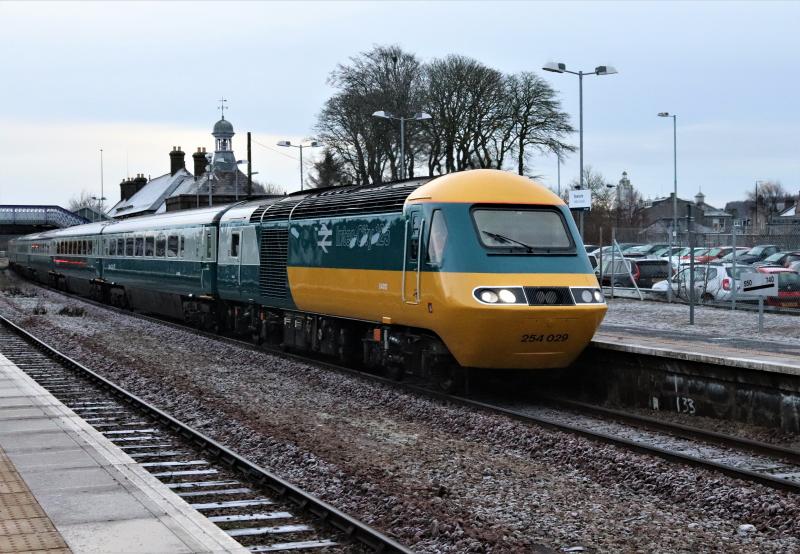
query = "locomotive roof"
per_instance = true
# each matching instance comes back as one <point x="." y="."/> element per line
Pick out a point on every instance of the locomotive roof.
<point x="490" y="186"/>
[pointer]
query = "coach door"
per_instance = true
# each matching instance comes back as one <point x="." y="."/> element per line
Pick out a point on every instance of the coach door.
<point x="412" y="255"/>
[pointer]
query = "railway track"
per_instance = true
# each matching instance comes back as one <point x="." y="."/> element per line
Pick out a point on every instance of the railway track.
<point x="257" y="508"/>
<point x="765" y="464"/>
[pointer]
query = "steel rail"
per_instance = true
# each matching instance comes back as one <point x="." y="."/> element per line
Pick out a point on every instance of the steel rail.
<point x="679" y="429"/>
<point x="732" y="471"/>
<point x="321" y="510"/>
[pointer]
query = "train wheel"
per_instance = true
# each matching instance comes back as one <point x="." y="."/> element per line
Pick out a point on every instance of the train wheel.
<point x="395" y="372"/>
<point x="450" y="379"/>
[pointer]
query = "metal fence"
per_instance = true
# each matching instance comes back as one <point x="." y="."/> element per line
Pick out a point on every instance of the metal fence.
<point x="787" y="238"/>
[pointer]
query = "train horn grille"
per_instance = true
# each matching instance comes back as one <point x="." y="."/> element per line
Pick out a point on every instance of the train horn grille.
<point x="548" y="296"/>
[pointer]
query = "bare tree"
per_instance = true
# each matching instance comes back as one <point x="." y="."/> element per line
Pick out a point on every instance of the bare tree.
<point x="772" y="197"/>
<point x="465" y="99"/>
<point x="86" y="200"/>
<point x="480" y="118"/>
<point x="537" y="121"/>
<point x="385" y="78"/>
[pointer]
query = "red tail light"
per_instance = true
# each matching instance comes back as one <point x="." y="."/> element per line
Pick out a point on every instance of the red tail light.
<point x="726" y="284"/>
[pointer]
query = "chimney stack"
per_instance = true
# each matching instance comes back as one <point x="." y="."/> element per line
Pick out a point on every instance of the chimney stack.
<point x="139" y="182"/>
<point x="176" y="160"/>
<point x="127" y="188"/>
<point x="200" y="162"/>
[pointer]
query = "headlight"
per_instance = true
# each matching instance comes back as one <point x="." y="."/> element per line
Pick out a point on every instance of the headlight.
<point x="586" y="295"/>
<point x="490" y="297"/>
<point x="507" y="296"/>
<point x="500" y="295"/>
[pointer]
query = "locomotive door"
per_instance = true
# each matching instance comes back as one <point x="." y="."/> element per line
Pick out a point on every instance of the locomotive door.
<point x="412" y="255"/>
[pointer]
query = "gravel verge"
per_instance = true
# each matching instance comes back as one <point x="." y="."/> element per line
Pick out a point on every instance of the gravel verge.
<point x="438" y="477"/>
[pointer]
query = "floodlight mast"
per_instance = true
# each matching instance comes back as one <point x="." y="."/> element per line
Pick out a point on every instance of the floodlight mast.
<point x="312" y="144"/>
<point x="557" y="67"/>
<point x="419" y="116"/>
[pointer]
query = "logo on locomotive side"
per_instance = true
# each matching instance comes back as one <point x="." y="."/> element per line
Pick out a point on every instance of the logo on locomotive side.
<point x="355" y="236"/>
<point x="324" y="235"/>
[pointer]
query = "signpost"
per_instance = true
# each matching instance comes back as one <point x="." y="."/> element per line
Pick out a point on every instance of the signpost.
<point x="580" y="199"/>
<point x="760" y="285"/>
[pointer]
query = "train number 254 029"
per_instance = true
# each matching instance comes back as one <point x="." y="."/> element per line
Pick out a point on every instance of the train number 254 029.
<point x="545" y="338"/>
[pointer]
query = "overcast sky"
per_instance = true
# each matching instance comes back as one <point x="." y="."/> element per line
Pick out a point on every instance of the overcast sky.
<point x="136" y="79"/>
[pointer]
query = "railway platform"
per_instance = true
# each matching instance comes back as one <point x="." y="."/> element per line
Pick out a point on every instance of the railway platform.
<point x="65" y="488"/>
<point x="686" y="344"/>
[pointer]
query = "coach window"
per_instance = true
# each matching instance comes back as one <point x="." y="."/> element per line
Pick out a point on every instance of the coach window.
<point x="172" y="246"/>
<point x="209" y="245"/>
<point x="90" y="247"/>
<point x="437" y="238"/>
<point x="112" y="247"/>
<point x="129" y="246"/>
<point x="181" y="247"/>
<point x="149" y="246"/>
<point x="161" y="245"/>
<point x="120" y="247"/>
<point x="139" y="247"/>
<point x="234" y="245"/>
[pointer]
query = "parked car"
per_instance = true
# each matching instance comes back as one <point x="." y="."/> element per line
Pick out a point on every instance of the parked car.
<point x="779" y="259"/>
<point x="788" y="287"/>
<point x="644" y="251"/>
<point x="607" y="249"/>
<point x="711" y="282"/>
<point x="757" y="253"/>
<point x="591" y="248"/>
<point x="592" y="260"/>
<point x="714" y="254"/>
<point x="646" y="272"/>
<point x="740" y="250"/>
<point x="698" y="251"/>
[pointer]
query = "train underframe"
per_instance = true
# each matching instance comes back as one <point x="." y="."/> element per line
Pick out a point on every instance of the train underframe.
<point x="391" y="350"/>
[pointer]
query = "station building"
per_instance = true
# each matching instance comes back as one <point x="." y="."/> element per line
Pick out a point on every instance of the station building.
<point x="181" y="189"/>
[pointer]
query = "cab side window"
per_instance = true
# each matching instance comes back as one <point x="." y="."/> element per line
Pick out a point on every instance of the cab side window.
<point x="413" y="244"/>
<point x="437" y="238"/>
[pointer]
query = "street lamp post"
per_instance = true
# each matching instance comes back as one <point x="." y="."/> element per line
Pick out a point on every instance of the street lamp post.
<point x="674" y="192"/>
<point x="99" y="204"/>
<point x="419" y="116"/>
<point x="599" y="70"/>
<point x="312" y="144"/>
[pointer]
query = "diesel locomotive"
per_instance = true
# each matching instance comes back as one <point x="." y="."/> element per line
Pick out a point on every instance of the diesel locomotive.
<point x="477" y="269"/>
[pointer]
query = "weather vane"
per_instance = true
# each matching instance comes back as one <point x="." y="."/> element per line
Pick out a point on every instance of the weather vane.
<point x="222" y="106"/>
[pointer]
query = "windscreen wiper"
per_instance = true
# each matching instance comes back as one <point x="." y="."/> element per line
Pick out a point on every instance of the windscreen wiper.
<point x="504" y="238"/>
